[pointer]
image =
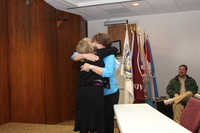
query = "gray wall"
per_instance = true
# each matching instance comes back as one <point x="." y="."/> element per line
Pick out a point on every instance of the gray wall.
<point x="174" y="38"/>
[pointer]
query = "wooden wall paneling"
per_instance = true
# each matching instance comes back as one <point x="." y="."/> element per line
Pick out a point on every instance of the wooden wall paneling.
<point x="69" y="34"/>
<point x="26" y="61"/>
<point x="4" y="89"/>
<point x="42" y="77"/>
<point x="52" y="104"/>
<point x="118" y="33"/>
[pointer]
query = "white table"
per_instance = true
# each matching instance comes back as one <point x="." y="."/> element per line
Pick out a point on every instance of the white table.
<point x="142" y="118"/>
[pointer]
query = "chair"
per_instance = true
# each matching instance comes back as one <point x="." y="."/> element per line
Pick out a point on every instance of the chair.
<point x="190" y="117"/>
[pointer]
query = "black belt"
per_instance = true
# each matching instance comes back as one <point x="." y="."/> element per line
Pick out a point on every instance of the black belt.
<point x="97" y="82"/>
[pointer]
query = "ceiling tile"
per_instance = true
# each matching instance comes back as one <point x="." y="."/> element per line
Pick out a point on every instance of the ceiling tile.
<point x="187" y="5"/>
<point x="164" y="6"/>
<point x="143" y="9"/>
<point x="95" y="12"/>
<point x="123" y="9"/>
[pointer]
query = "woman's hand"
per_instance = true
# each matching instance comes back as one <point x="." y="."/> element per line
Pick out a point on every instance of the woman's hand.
<point x="85" y="67"/>
<point x="175" y="95"/>
<point x="92" y="57"/>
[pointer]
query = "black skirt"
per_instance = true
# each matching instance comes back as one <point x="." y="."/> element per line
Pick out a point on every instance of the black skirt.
<point x="90" y="109"/>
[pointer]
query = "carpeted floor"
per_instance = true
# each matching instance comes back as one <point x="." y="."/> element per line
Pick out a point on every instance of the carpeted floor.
<point x="35" y="128"/>
<point x="64" y="127"/>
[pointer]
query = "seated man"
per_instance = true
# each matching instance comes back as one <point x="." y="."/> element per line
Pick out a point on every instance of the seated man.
<point x="181" y="88"/>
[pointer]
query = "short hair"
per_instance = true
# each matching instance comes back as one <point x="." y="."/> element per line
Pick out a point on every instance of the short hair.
<point x="85" y="46"/>
<point x="183" y="66"/>
<point x="102" y="38"/>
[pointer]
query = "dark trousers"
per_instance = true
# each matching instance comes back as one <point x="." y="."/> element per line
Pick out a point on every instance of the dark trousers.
<point x="110" y="100"/>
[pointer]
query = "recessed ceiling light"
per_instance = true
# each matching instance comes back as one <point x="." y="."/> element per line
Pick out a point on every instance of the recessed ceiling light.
<point x="135" y="4"/>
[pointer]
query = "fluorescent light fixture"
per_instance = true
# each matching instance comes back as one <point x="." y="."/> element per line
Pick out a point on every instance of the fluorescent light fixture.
<point x="135" y="4"/>
<point x="118" y="22"/>
<point x="79" y="3"/>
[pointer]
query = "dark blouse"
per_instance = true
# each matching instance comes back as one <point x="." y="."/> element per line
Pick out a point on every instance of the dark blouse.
<point x="91" y="76"/>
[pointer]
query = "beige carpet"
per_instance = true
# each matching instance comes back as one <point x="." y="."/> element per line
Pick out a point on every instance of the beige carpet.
<point x="35" y="128"/>
<point x="64" y="127"/>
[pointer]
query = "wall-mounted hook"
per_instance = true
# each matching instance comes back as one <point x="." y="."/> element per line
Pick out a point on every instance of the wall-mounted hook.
<point x="27" y="2"/>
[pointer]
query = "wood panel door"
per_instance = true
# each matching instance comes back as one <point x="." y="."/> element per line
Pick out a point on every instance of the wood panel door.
<point x="69" y="34"/>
